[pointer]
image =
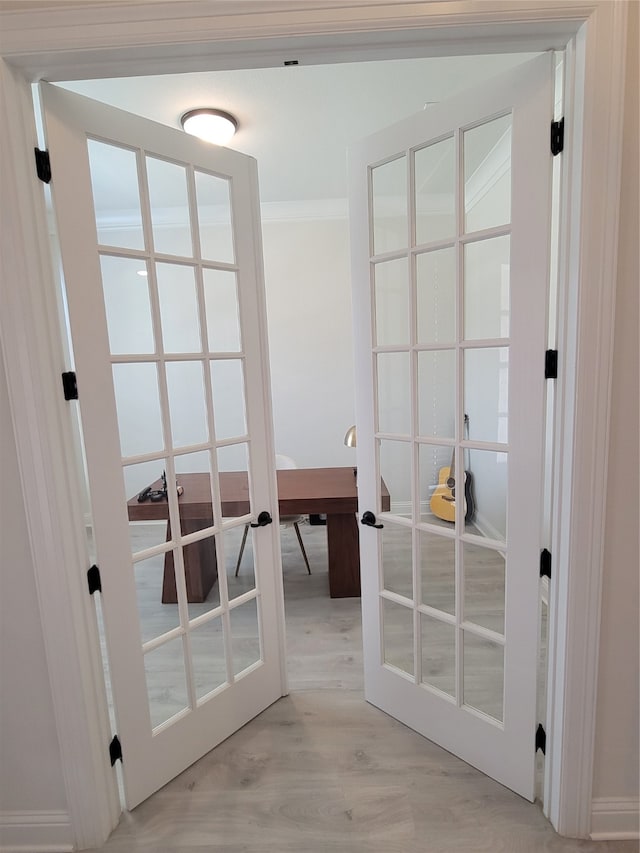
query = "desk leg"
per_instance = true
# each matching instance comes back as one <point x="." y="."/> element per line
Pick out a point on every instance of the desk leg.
<point x="200" y="568"/>
<point x="344" y="556"/>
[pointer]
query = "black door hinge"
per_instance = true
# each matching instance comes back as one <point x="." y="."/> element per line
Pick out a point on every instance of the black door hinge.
<point x="115" y="750"/>
<point x="557" y="136"/>
<point x="545" y="563"/>
<point x="541" y="739"/>
<point x="94" y="580"/>
<point x="43" y="165"/>
<point x="551" y="364"/>
<point x="70" y="385"/>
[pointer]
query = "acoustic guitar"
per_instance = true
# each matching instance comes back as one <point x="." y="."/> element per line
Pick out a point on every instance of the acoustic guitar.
<point x="443" y="499"/>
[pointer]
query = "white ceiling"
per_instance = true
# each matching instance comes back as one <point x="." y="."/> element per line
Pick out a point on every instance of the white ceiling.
<point x="299" y="121"/>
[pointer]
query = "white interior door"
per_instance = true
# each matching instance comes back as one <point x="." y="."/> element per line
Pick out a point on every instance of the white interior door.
<point x="450" y="243"/>
<point x="160" y="243"/>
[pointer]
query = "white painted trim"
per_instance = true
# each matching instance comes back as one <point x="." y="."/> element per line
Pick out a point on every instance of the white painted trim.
<point x="32" y="351"/>
<point x="67" y="44"/>
<point x="615" y="820"/>
<point x="593" y="134"/>
<point x="36" y="832"/>
<point x="93" y="40"/>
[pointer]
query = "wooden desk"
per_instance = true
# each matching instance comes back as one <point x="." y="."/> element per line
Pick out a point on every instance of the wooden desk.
<point x="301" y="491"/>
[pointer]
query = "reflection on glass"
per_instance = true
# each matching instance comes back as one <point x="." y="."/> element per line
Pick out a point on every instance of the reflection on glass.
<point x="486" y="289"/>
<point x="214" y="213"/>
<point x="221" y="305"/>
<point x="233" y="457"/>
<point x="187" y="406"/>
<point x="438" y="571"/>
<point x="389" y="201"/>
<point x="146" y="534"/>
<point x="483" y="678"/>
<point x="127" y="305"/>
<point x="394" y="392"/>
<point x="435" y="191"/>
<point x="391" y="285"/>
<point x="436" y="389"/>
<point x="112" y="166"/>
<point x="484" y="577"/>
<point x="178" y="308"/>
<point x="245" y="635"/>
<point x="207" y="654"/>
<point x="397" y="559"/>
<point x="155" y="617"/>
<point x="233" y="465"/>
<point x="487" y="174"/>
<point x="169" y="202"/>
<point x="438" y="640"/>
<point x="193" y="476"/>
<point x="138" y="408"/>
<point x="436" y="296"/>
<point x="489" y="476"/>
<point x="486" y="393"/>
<point x="201" y="576"/>
<point x="245" y="579"/>
<point x="395" y="470"/>
<point x="166" y="681"/>
<point x="437" y="500"/>
<point x="397" y="628"/>
<point x="227" y="383"/>
<point x="136" y="478"/>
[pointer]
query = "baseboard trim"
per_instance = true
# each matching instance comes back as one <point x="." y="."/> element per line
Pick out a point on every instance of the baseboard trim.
<point x="36" y="832"/>
<point x="615" y="820"/>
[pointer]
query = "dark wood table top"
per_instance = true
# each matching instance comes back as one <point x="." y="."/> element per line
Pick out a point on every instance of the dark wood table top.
<point x="300" y="491"/>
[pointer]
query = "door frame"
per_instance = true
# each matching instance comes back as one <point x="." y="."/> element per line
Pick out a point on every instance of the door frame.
<point x="147" y="38"/>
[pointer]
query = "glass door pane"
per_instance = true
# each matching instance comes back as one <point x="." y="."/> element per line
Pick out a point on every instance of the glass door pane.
<point x="441" y="340"/>
<point x="181" y="412"/>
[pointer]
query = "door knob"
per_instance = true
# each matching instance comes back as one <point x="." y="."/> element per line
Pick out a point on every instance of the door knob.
<point x="263" y="519"/>
<point x="369" y="520"/>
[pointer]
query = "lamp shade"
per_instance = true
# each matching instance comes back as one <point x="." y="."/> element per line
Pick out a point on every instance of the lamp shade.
<point x="214" y="126"/>
<point x="350" y="437"/>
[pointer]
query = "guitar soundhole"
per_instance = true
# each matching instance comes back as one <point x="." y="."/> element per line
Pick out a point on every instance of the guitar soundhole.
<point x="451" y="483"/>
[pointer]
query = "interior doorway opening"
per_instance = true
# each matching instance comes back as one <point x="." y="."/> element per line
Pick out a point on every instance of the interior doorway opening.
<point x="339" y="428"/>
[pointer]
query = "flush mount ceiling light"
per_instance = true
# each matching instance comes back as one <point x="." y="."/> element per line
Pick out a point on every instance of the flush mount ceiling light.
<point x="214" y="126"/>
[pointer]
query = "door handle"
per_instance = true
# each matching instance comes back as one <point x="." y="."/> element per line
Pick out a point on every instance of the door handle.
<point x="263" y="519"/>
<point x="369" y="520"/>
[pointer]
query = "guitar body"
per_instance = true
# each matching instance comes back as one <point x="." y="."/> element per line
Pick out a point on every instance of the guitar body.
<point x="442" y="501"/>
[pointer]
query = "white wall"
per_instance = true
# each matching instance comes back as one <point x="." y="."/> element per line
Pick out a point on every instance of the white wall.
<point x="308" y="291"/>
<point x="30" y="769"/>
<point x="616" y="773"/>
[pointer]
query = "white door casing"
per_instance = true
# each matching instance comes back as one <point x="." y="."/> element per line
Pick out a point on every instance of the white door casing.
<point x="158" y="743"/>
<point x="497" y="740"/>
<point x="32" y="350"/>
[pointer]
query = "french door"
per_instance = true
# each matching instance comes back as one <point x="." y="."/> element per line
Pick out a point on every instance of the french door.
<point x="160" y="244"/>
<point x="450" y="259"/>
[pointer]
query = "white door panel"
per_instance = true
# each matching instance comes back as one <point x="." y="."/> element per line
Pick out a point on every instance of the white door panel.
<point x="160" y="244"/>
<point x="450" y="262"/>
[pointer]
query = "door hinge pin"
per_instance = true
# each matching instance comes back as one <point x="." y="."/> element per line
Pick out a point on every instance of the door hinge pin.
<point x="94" y="580"/>
<point x="541" y="739"/>
<point x="557" y="136"/>
<point x="551" y="364"/>
<point x="43" y="165"/>
<point x="545" y="564"/>
<point x="70" y="385"/>
<point x="115" y="750"/>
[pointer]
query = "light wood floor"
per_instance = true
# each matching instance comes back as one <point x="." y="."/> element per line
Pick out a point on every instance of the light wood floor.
<point x="321" y="771"/>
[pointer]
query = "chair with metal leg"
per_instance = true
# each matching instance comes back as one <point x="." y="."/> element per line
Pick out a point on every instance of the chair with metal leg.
<point x="282" y="462"/>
